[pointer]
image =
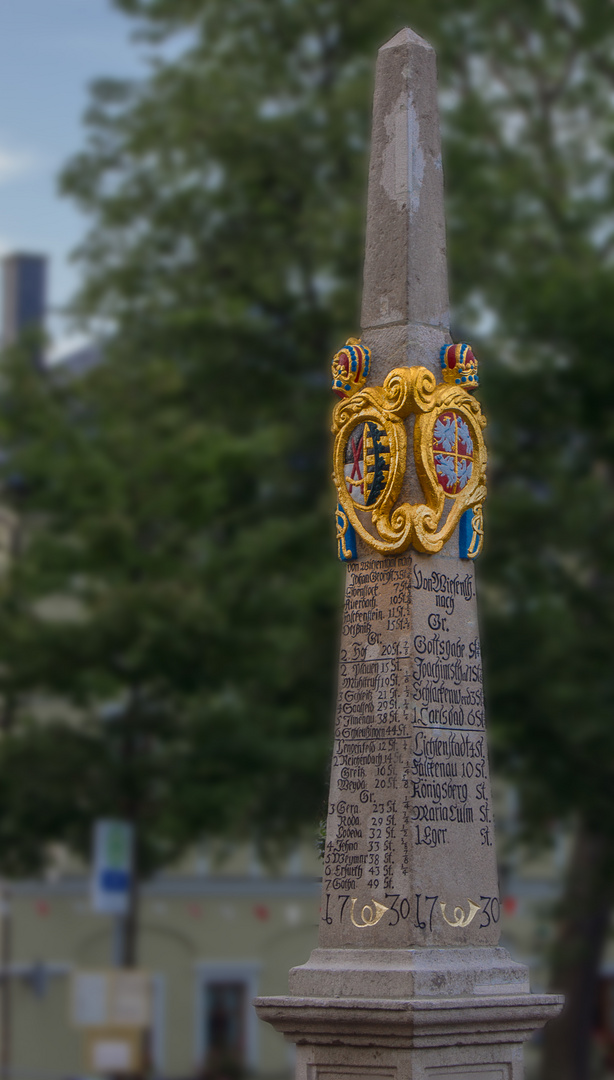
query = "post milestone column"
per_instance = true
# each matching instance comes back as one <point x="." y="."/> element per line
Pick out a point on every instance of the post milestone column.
<point x="409" y="850"/>
<point x="408" y="979"/>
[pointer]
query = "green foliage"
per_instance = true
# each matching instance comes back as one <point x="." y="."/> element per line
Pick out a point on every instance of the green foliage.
<point x="531" y="201"/>
<point x="149" y="621"/>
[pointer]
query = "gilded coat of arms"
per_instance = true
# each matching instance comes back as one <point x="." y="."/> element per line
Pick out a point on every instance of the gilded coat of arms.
<point x="370" y="454"/>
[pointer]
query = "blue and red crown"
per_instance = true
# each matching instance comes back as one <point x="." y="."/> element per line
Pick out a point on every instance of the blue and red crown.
<point x="350" y="368"/>
<point x="459" y="366"/>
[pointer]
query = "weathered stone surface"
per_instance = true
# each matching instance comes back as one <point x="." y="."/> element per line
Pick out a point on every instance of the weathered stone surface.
<point x="408" y="973"/>
<point x="364" y="1022"/>
<point x="430" y="1039"/>
<point x="405" y="276"/>
<point x="410" y="820"/>
<point x="407" y="345"/>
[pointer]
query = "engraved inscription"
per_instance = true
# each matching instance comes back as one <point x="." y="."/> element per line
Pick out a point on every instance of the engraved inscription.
<point x="409" y="771"/>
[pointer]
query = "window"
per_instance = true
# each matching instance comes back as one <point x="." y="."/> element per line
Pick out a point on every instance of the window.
<point x="226" y="1022"/>
<point x="225" y="1009"/>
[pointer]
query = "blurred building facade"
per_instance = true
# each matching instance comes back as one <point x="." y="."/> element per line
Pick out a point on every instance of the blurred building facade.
<point x="24" y="295"/>
<point x="213" y="932"/>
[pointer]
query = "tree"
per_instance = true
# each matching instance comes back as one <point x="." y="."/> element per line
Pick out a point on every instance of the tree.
<point x="173" y="599"/>
<point x="178" y="495"/>
<point x="151" y="664"/>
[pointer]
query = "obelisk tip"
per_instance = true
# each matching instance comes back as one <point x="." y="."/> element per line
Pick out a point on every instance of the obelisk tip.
<point x="405" y="275"/>
<point x="406" y="37"/>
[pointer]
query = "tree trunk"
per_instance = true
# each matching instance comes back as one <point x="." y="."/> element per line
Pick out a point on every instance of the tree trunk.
<point x="7" y="985"/>
<point x="582" y="929"/>
<point x="132" y="759"/>
<point x="130" y="920"/>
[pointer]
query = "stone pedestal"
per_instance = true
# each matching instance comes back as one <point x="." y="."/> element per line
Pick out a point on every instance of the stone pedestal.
<point x="418" y="1039"/>
<point x="409" y="1014"/>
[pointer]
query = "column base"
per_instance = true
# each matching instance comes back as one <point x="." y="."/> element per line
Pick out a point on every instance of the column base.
<point x="409" y="973"/>
<point x="443" y="1036"/>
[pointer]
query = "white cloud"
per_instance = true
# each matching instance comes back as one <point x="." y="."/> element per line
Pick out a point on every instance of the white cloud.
<point x="13" y="163"/>
<point x="67" y="345"/>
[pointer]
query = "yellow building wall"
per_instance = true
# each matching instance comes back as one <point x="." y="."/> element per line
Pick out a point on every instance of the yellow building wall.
<point x="236" y="924"/>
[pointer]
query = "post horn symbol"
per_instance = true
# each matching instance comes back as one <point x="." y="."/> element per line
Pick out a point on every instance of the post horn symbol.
<point x="370" y="914"/>
<point x="460" y="919"/>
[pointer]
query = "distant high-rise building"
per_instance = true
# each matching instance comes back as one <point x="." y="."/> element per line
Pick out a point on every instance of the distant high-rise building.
<point x="24" y="294"/>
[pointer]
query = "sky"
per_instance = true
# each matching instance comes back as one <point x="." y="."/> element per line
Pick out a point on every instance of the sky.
<point x="50" y="51"/>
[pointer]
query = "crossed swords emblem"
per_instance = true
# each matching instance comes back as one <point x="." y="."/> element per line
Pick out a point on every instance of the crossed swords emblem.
<point x="356" y="449"/>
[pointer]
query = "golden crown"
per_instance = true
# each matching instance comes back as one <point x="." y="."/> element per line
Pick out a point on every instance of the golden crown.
<point x="459" y="366"/>
<point x="350" y="368"/>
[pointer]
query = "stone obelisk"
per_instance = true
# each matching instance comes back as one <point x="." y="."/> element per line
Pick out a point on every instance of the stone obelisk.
<point x="408" y="980"/>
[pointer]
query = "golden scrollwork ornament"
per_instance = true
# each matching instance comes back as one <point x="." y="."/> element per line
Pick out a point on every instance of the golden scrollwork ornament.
<point x="370" y="454"/>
